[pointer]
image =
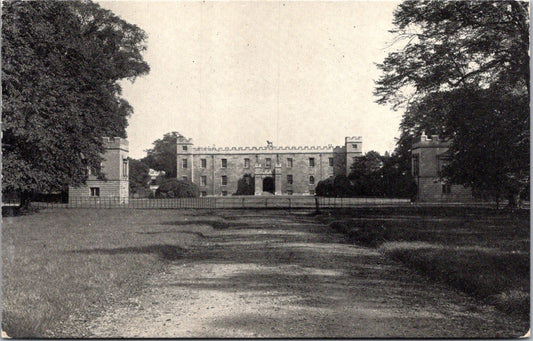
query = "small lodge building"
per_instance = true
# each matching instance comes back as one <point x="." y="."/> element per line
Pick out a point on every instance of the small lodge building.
<point x="114" y="167"/>
<point x="429" y="156"/>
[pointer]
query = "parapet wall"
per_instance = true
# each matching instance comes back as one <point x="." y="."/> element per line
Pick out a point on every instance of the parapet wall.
<point x="266" y="149"/>
<point x="115" y="143"/>
<point x="434" y="141"/>
<point x="353" y="139"/>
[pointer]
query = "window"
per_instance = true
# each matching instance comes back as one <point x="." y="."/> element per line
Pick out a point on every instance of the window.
<point x="224" y="193"/>
<point x="442" y="161"/>
<point x="247" y="163"/>
<point x="203" y="163"/>
<point x="204" y="193"/>
<point x="224" y="180"/>
<point x="268" y="162"/>
<point x="184" y="178"/>
<point x="289" y="179"/>
<point x="224" y="163"/>
<point x="311" y="162"/>
<point x="311" y="180"/>
<point x="446" y="189"/>
<point x="124" y="168"/>
<point x="184" y="148"/>
<point x="354" y="146"/>
<point x="416" y="165"/>
<point x="95" y="191"/>
<point x="289" y="163"/>
<point x="289" y="192"/>
<point x="184" y="163"/>
<point x="331" y="162"/>
<point x="203" y="180"/>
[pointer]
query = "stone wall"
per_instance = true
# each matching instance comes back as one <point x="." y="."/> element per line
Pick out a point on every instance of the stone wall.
<point x="235" y="170"/>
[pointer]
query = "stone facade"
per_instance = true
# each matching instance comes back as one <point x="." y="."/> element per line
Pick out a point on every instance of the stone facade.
<point x="274" y="170"/>
<point x="114" y="167"/>
<point x="429" y="156"/>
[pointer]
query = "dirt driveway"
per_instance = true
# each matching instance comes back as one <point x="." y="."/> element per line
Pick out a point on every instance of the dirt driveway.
<point x="276" y="274"/>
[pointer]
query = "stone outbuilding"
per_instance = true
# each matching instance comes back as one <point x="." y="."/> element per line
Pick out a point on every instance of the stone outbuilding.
<point x="115" y="181"/>
<point x="429" y="156"/>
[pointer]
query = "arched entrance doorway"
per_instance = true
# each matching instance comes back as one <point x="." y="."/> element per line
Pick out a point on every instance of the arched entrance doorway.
<point x="268" y="184"/>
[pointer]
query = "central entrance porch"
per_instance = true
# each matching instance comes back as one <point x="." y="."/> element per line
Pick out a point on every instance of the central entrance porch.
<point x="268" y="181"/>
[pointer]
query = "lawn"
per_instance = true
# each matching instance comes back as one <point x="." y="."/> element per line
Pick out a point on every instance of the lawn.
<point x="61" y="266"/>
<point x="482" y="252"/>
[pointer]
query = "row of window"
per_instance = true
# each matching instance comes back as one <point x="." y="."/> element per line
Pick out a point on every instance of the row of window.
<point x="224" y="180"/>
<point x="225" y="193"/>
<point x="268" y="163"/>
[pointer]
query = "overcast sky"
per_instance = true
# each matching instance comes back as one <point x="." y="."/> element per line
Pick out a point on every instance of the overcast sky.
<point x="242" y="73"/>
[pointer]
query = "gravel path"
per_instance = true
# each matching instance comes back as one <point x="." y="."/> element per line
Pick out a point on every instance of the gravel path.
<point x="282" y="275"/>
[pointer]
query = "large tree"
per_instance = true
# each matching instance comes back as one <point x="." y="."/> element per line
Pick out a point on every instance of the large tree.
<point x="139" y="178"/>
<point x="61" y="63"/>
<point x="462" y="72"/>
<point x="162" y="156"/>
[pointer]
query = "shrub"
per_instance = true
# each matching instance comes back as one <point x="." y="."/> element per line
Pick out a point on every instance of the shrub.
<point x="245" y="185"/>
<point x="173" y="188"/>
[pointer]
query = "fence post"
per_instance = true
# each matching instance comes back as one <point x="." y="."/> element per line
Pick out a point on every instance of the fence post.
<point x="317" y="205"/>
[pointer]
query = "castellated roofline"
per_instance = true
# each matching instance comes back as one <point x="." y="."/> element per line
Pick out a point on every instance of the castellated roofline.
<point x="354" y="138"/>
<point x="183" y="139"/>
<point x="433" y="141"/>
<point x="266" y="149"/>
<point x="115" y="142"/>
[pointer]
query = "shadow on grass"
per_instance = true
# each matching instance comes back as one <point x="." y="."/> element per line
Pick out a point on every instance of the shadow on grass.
<point x="199" y="234"/>
<point x="166" y="252"/>
<point x="499" y="278"/>
<point x="216" y="224"/>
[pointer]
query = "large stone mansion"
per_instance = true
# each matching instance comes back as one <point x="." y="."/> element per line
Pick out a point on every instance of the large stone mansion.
<point x="275" y="170"/>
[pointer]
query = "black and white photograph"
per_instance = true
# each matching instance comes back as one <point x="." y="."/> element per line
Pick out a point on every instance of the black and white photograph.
<point x="265" y="169"/>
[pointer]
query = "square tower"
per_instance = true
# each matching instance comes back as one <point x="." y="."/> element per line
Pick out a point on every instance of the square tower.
<point x="112" y="179"/>
<point x="354" y="149"/>
<point x="184" y="158"/>
<point x="429" y="157"/>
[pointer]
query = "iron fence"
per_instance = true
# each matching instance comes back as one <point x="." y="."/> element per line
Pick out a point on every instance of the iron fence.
<point x="237" y="202"/>
<point x="280" y="202"/>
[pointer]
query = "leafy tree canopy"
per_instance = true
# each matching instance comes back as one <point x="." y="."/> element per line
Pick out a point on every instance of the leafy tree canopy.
<point x="61" y="63"/>
<point x="139" y="178"/>
<point x="372" y="175"/>
<point x="162" y="156"/>
<point x="463" y="74"/>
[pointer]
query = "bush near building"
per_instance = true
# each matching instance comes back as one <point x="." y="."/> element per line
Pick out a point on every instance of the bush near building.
<point x="173" y="188"/>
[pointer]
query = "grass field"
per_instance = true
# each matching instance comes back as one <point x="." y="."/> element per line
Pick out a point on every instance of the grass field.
<point x="485" y="253"/>
<point x="49" y="277"/>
